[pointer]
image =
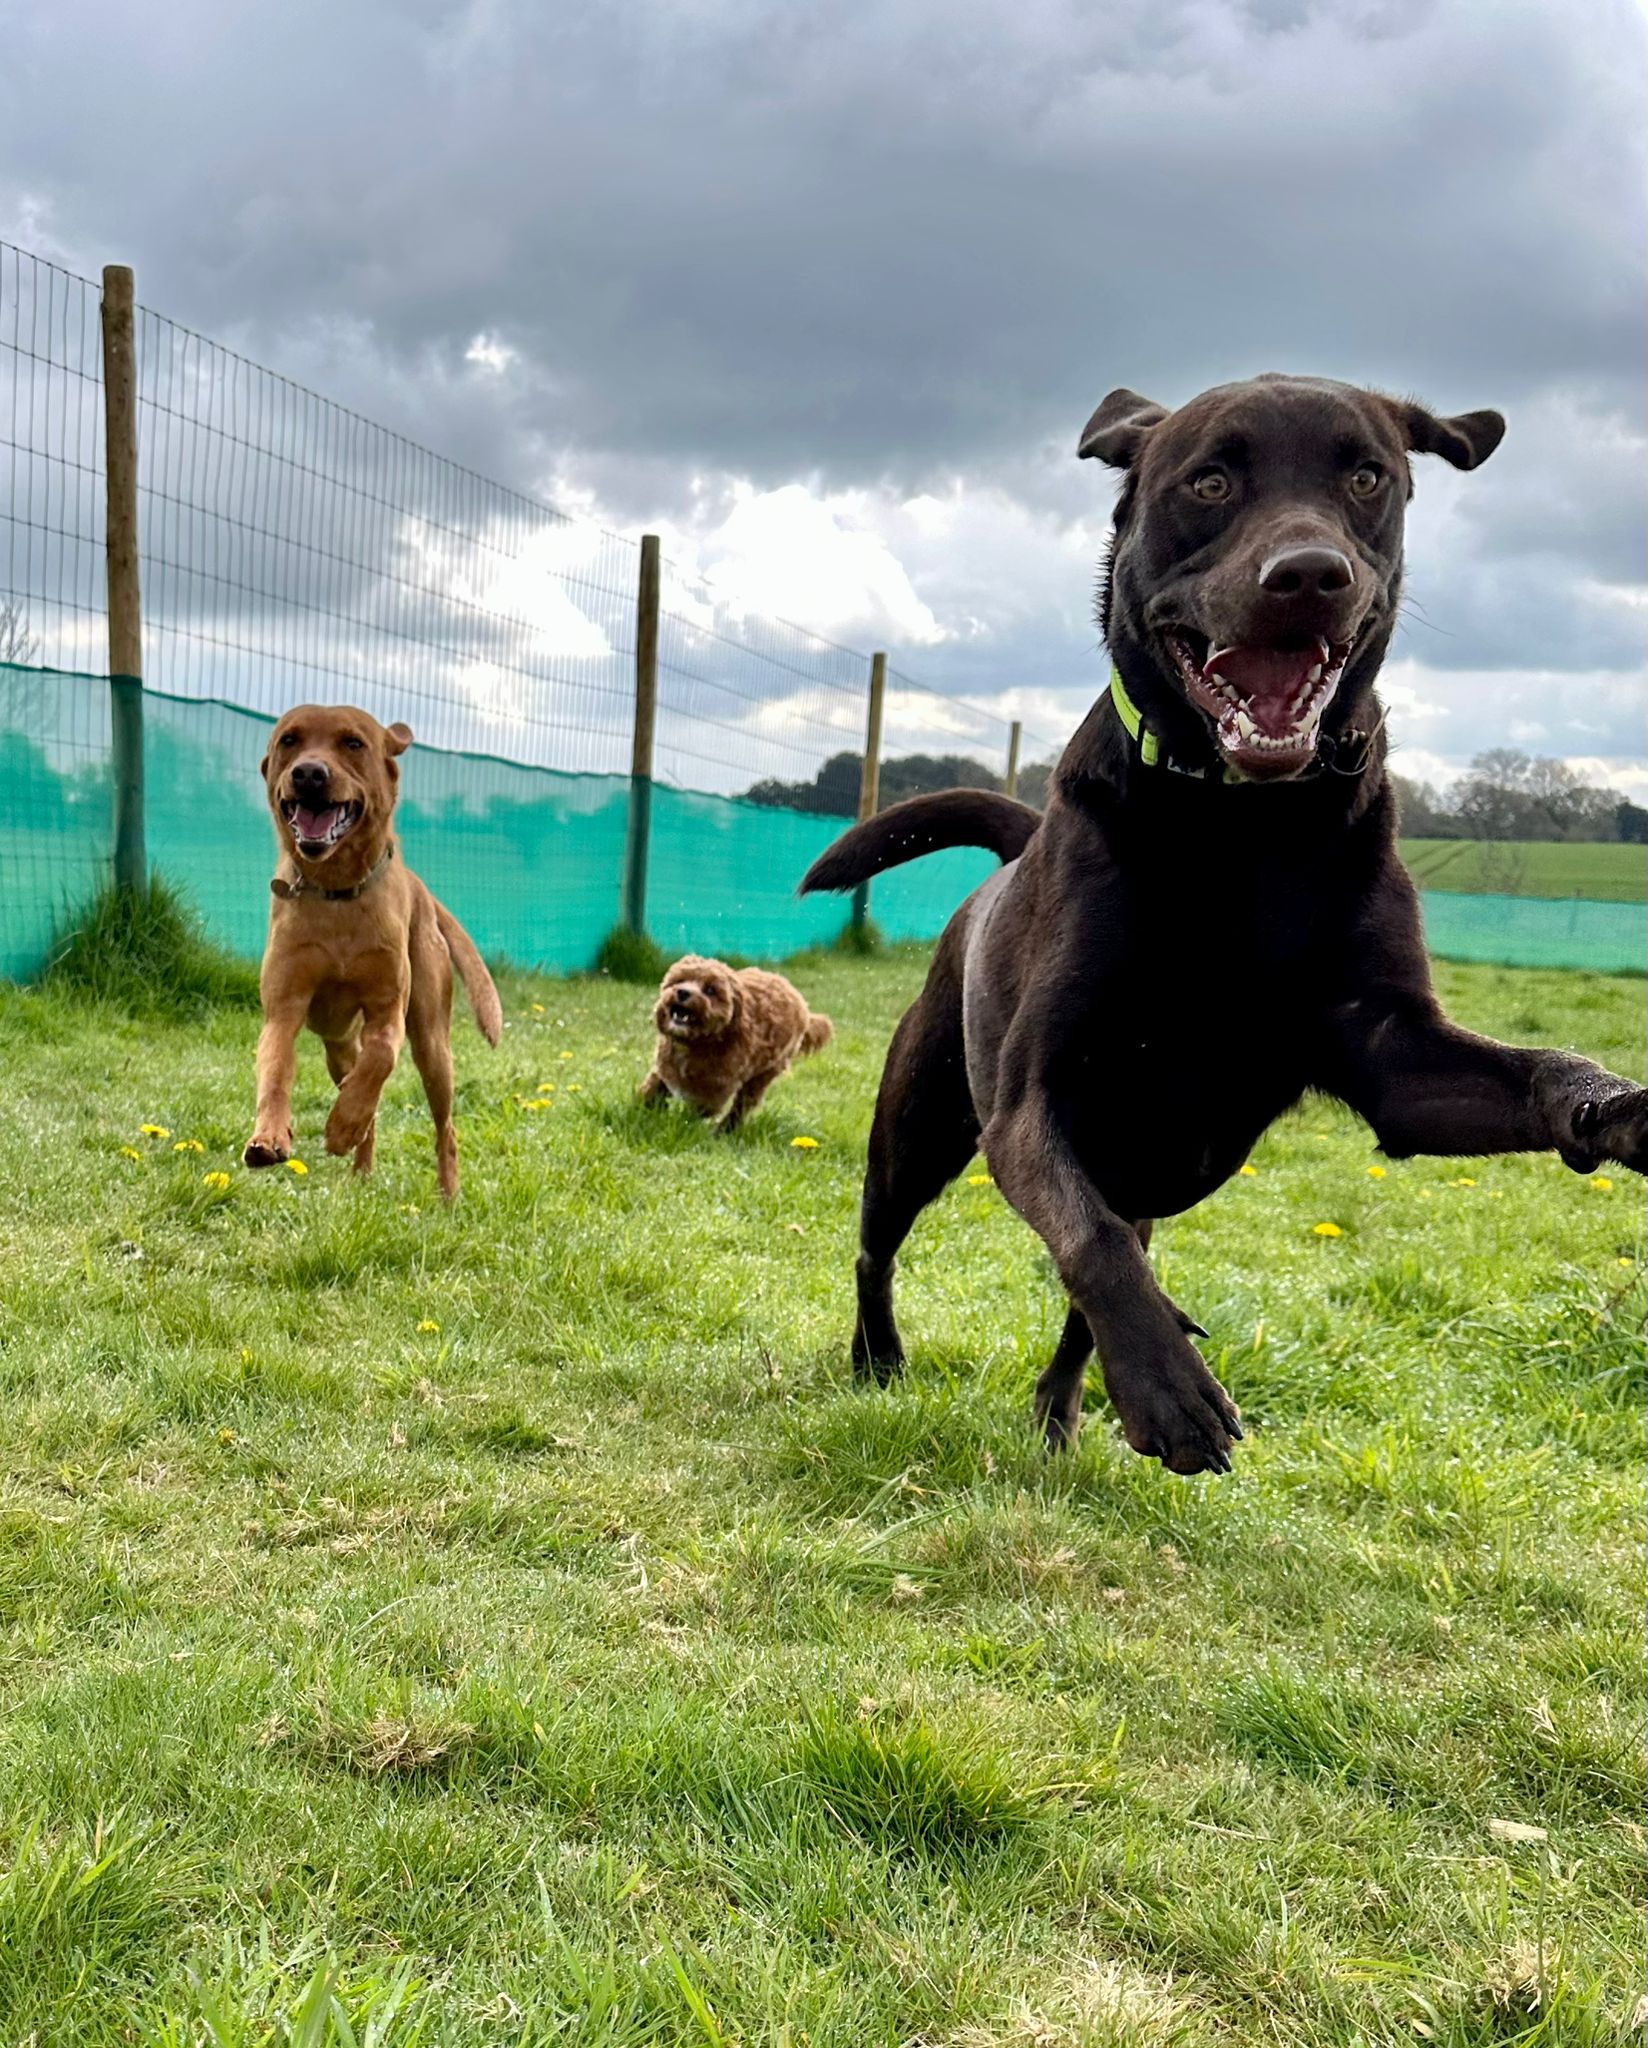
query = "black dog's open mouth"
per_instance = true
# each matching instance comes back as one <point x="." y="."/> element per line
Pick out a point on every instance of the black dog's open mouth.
<point x="317" y="832"/>
<point x="1266" y="703"/>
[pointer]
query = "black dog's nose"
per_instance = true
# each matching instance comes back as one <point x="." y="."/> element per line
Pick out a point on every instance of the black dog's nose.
<point x="310" y="778"/>
<point x="1306" y="572"/>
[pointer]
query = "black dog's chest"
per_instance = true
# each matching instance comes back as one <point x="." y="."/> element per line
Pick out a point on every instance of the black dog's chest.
<point x="1161" y="1115"/>
<point x="1197" y="1036"/>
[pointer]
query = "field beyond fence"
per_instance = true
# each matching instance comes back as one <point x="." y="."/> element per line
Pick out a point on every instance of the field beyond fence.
<point x="604" y="738"/>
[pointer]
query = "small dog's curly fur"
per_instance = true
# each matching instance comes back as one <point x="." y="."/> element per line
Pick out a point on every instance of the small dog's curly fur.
<point x="725" y="1035"/>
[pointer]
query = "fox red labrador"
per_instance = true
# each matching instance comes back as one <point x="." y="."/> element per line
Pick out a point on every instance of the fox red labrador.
<point x="359" y="951"/>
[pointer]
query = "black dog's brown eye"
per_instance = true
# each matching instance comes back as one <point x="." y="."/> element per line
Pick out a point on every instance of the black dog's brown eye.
<point x="1365" y="479"/>
<point x="1212" y="486"/>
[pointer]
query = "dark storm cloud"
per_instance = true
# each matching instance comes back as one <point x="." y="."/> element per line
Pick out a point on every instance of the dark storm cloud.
<point x="908" y="242"/>
<point x="764" y="238"/>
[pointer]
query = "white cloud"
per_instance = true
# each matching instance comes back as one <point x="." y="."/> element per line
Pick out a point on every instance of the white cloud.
<point x="487" y="352"/>
<point x="817" y="560"/>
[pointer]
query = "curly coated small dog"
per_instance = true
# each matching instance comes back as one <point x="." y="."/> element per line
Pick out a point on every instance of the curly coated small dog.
<point x="725" y="1035"/>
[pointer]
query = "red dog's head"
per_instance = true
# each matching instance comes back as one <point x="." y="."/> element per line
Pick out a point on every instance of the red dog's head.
<point x="332" y="778"/>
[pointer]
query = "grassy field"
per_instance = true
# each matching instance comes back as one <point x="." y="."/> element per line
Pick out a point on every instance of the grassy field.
<point x="511" y="1626"/>
<point x="1605" y="873"/>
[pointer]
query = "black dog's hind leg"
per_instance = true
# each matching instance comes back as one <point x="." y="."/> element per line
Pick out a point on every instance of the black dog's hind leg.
<point x="923" y="1135"/>
<point x="1059" y="1390"/>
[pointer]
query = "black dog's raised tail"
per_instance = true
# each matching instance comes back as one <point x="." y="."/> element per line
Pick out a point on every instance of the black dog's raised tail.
<point x="923" y="824"/>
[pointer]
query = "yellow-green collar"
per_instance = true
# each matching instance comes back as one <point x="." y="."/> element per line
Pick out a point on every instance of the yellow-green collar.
<point x="1150" y="748"/>
<point x="1357" y="747"/>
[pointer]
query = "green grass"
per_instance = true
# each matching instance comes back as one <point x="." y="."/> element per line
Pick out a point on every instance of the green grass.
<point x="1605" y="873"/>
<point x="510" y="1625"/>
<point x="147" y="954"/>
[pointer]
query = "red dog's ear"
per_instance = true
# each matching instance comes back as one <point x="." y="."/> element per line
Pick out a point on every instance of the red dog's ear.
<point x="1116" y="432"/>
<point x="398" y="736"/>
<point x="263" y="767"/>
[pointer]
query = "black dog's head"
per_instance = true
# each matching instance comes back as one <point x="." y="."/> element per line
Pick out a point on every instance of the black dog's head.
<point x="1252" y="583"/>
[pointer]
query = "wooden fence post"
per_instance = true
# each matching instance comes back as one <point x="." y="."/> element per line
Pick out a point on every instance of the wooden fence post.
<point x="639" y="833"/>
<point x="1011" y="785"/>
<point x="869" y="781"/>
<point x="125" y="606"/>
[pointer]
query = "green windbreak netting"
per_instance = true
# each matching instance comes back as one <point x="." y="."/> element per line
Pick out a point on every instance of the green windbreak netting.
<point x="1537" y="931"/>
<point x="532" y="859"/>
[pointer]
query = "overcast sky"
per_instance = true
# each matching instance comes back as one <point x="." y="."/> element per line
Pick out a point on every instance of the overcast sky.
<point x="825" y="292"/>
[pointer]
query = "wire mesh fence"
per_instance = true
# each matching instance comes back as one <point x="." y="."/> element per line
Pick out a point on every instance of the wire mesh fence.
<point x="294" y="551"/>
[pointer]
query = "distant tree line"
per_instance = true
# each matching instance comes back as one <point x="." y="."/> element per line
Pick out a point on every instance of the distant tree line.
<point x="1506" y="795"/>
<point x="1510" y="795"/>
<point x="833" y="791"/>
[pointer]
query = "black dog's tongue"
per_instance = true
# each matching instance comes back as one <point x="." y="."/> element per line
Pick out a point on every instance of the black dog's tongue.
<point x="1276" y="682"/>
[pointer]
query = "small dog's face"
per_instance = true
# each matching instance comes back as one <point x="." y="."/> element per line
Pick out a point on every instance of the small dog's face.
<point x="1253" y="581"/>
<point x="331" y="776"/>
<point x="698" y="999"/>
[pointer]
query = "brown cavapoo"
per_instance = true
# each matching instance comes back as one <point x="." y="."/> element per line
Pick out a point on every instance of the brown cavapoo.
<point x="725" y="1035"/>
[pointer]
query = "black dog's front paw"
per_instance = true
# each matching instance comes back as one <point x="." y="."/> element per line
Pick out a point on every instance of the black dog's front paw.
<point x="1615" y="1130"/>
<point x="1173" y="1408"/>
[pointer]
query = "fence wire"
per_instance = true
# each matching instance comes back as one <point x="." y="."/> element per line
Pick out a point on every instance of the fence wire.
<point x="292" y="551"/>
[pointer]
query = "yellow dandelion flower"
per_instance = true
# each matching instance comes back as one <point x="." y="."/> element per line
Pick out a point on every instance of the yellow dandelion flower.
<point x="429" y="1327"/>
<point x="575" y="1087"/>
<point x="1464" y="1181"/>
<point x="1376" y="1173"/>
<point x="225" y="1436"/>
<point x="1601" y="1180"/>
<point x="130" y="1152"/>
<point x="1326" y="1230"/>
<point x="531" y="1102"/>
<point x="546" y="1087"/>
<point x="804" y="1144"/>
<point x="978" y="1180"/>
<point x="215" y="1180"/>
<point x="188" y="1145"/>
<point x="1248" y="1172"/>
<point x="537" y="1009"/>
<point x="296" y="1166"/>
<point x="1628" y="1262"/>
<point x="566" y="1055"/>
<point x="153" y="1131"/>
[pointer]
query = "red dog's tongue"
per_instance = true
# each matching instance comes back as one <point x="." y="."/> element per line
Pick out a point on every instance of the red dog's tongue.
<point x="313" y="824"/>
<point x="1270" y="678"/>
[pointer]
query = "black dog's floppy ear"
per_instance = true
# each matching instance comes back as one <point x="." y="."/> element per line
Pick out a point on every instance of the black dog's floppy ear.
<point x="1466" y="440"/>
<point x="1116" y="431"/>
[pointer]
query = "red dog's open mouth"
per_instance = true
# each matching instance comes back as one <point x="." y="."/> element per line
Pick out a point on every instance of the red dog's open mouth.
<point x="1266" y="703"/>
<point x="317" y="832"/>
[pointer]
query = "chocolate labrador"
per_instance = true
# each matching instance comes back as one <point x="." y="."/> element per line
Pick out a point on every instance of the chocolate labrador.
<point x="1210" y="918"/>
